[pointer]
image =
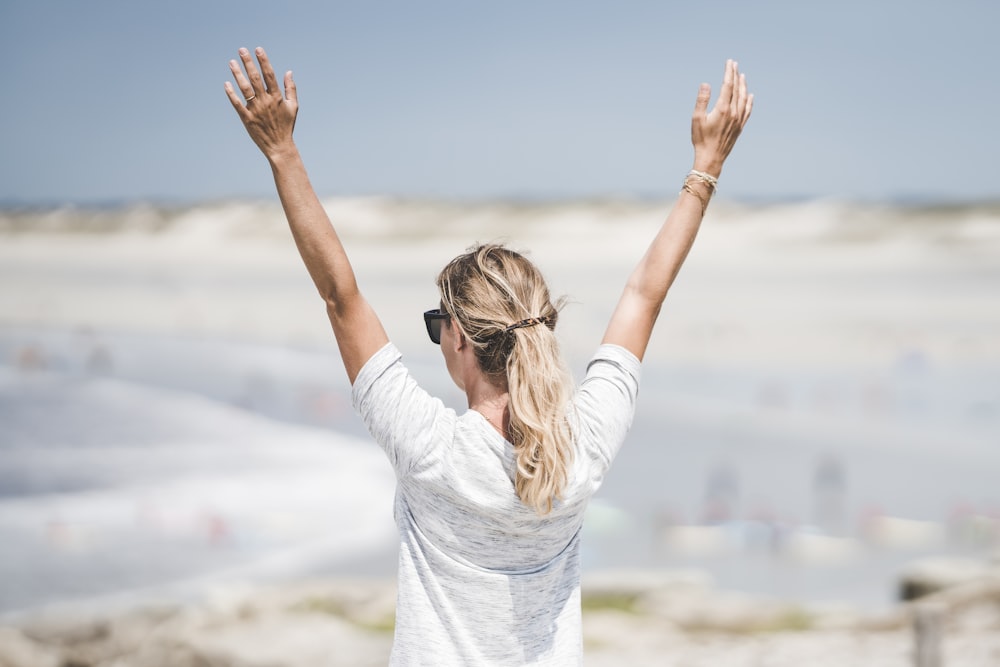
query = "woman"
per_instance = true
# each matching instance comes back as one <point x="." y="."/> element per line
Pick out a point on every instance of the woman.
<point x="489" y="504"/>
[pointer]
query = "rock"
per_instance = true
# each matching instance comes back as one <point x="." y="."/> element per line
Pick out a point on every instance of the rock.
<point x="310" y="624"/>
<point x="98" y="638"/>
<point x="17" y="650"/>
<point x="818" y="549"/>
<point x="899" y="533"/>
<point x="931" y="575"/>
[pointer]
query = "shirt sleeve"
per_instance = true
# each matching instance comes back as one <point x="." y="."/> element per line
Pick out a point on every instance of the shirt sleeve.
<point x="406" y="421"/>
<point x="605" y="402"/>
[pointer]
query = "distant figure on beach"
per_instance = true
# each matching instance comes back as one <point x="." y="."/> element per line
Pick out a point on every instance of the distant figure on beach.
<point x="830" y="495"/>
<point x="722" y="490"/>
<point x="489" y="503"/>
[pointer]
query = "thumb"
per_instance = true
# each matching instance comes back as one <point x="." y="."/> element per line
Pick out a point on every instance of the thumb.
<point x="701" y="103"/>
<point x="290" y="93"/>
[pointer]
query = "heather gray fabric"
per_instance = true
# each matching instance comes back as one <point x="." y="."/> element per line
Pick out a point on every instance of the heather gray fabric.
<point x="483" y="580"/>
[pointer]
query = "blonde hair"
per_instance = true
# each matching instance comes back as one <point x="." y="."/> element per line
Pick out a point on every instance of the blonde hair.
<point x="485" y="291"/>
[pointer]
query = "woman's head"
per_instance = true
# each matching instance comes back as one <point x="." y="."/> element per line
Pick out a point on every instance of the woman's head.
<point x="486" y="291"/>
<point x="499" y="301"/>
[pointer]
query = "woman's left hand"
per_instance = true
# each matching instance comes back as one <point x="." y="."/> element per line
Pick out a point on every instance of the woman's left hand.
<point x="268" y="114"/>
<point x="714" y="132"/>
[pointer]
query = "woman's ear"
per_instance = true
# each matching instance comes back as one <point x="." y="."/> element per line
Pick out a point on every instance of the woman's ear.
<point x="460" y="341"/>
<point x="456" y="333"/>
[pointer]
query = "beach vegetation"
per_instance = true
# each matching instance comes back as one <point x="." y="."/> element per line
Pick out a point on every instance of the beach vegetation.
<point x="793" y="619"/>
<point x="376" y="622"/>
<point x="626" y="602"/>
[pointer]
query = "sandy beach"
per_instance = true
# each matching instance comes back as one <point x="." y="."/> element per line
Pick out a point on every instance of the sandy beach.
<point x="817" y="283"/>
<point x="819" y="409"/>
<point x="630" y="618"/>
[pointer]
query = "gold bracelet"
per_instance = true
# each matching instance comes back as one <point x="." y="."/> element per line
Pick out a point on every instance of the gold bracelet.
<point x="704" y="201"/>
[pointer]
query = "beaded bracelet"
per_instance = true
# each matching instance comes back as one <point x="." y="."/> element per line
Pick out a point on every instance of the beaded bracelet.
<point x="707" y="179"/>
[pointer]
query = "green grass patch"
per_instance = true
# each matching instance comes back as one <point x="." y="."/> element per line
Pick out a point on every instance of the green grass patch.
<point x="793" y="620"/>
<point x="614" y="601"/>
<point x="332" y="607"/>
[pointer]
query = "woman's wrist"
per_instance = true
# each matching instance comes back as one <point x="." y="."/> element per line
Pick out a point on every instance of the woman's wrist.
<point x="701" y="185"/>
<point x="283" y="154"/>
<point x="708" y="166"/>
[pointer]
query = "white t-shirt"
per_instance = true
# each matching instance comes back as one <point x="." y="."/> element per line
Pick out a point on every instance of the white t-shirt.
<point x="483" y="579"/>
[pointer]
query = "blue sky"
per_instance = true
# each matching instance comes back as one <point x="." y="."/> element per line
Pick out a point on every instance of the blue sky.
<point x="116" y="101"/>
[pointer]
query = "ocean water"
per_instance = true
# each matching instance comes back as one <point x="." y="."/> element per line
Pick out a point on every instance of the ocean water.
<point x="173" y="412"/>
<point x="118" y="480"/>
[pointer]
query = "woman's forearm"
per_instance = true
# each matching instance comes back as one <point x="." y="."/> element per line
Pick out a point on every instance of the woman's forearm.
<point x="656" y="271"/>
<point x="357" y="328"/>
<point x="639" y="306"/>
<point x="314" y="234"/>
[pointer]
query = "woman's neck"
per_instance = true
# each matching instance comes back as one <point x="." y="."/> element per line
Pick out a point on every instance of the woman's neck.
<point x="493" y="404"/>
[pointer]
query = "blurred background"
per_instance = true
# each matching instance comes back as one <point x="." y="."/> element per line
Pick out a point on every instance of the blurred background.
<point x="821" y="401"/>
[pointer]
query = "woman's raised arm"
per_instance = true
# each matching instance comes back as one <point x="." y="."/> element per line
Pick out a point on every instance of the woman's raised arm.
<point x="269" y="117"/>
<point x="713" y="134"/>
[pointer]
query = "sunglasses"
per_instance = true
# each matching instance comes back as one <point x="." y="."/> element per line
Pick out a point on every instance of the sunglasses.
<point x="433" y="320"/>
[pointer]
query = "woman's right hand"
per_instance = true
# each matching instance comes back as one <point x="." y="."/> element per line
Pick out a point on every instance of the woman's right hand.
<point x="714" y="133"/>
<point x="268" y="115"/>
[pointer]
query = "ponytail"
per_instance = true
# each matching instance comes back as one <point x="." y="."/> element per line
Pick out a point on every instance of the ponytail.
<point x="538" y="387"/>
<point x="501" y="302"/>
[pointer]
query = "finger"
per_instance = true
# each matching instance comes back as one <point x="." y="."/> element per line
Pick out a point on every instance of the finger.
<point x="235" y="100"/>
<point x="265" y="68"/>
<point x="701" y="102"/>
<point x="734" y="102"/>
<point x="746" y="100"/>
<point x="257" y="85"/>
<point x="741" y="95"/>
<point x="241" y="80"/>
<point x="726" y="92"/>
<point x="291" y="93"/>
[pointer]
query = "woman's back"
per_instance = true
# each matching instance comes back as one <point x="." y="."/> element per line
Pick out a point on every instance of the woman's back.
<point x="501" y="580"/>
